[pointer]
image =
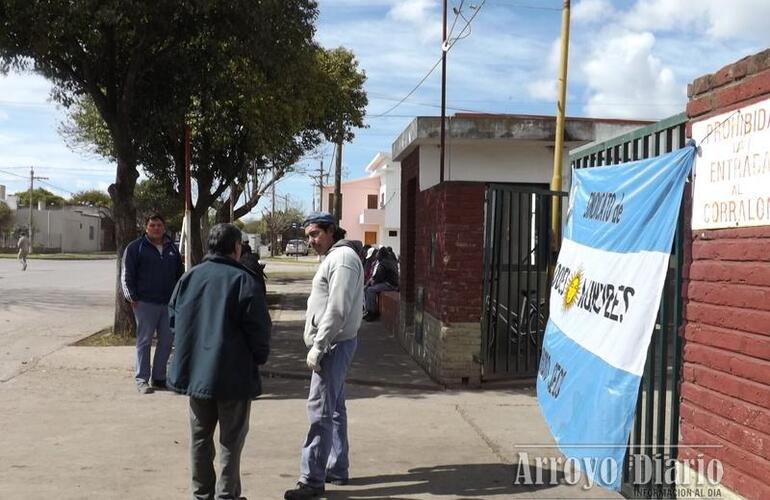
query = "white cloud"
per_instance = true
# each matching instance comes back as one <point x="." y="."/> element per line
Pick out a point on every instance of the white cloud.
<point x="421" y="14"/>
<point x="591" y="11"/>
<point x="626" y="80"/>
<point x="24" y="89"/>
<point x="413" y="11"/>
<point x="741" y="19"/>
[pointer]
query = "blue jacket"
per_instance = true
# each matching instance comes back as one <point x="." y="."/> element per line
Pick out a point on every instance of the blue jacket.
<point x="221" y="328"/>
<point x="148" y="275"/>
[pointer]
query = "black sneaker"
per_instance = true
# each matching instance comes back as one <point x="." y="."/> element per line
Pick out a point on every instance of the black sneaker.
<point x="159" y="385"/>
<point x="303" y="491"/>
<point x="337" y="481"/>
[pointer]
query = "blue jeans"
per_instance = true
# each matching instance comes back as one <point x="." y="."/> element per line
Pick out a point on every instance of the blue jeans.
<point x="371" y="293"/>
<point x="150" y="318"/>
<point x="326" y="448"/>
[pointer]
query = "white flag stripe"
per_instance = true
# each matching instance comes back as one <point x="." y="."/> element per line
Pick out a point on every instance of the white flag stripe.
<point x="621" y="342"/>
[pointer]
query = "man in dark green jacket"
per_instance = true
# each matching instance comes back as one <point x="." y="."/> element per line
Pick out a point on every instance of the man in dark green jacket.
<point x="221" y="326"/>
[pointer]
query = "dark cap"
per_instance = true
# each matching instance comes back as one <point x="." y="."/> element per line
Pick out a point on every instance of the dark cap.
<point x="319" y="218"/>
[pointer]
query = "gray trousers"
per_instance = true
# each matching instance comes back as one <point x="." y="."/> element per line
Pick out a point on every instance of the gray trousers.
<point x="151" y="317"/>
<point x="233" y="418"/>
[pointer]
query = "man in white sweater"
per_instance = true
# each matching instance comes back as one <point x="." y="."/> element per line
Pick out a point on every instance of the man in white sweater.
<point x="334" y="313"/>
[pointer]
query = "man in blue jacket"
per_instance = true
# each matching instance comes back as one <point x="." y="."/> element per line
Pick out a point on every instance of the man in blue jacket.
<point x="151" y="267"/>
<point x="222" y="331"/>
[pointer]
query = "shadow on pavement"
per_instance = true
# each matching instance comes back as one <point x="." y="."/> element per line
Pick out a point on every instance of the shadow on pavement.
<point x="456" y="480"/>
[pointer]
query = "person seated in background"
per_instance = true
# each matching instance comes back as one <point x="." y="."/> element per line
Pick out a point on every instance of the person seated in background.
<point x="384" y="278"/>
<point x="250" y="261"/>
<point x="369" y="262"/>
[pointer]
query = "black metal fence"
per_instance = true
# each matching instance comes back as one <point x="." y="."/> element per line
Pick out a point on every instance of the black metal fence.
<point x="655" y="435"/>
<point x="517" y="256"/>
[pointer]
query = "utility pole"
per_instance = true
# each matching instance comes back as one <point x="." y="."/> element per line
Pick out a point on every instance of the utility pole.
<point x="443" y="94"/>
<point x="32" y="179"/>
<point x="232" y="201"/>
<point x="318" y="180"/>
<point x="338" y="181"/>
<point x="559" y="143"/>
<point x="187" y="225"/>
<point x="273" y="239"/>
<point x="321" y="186"/>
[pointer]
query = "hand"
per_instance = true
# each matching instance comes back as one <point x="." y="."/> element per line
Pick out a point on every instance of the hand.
<point x="314" y="359"/>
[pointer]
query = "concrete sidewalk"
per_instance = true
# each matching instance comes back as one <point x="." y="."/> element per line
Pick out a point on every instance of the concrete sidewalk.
<point x="75" y="427"/>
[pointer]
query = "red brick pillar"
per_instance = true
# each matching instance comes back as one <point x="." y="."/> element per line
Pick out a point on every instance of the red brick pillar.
<point x="725" y="391"/>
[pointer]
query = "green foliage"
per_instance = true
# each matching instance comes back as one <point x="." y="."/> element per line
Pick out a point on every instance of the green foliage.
<point x="51" y="200"/>
<point x="342" y="90"/>
<point x="255" y="226"/>
<point x="6" y="220"/>
<point x="91" y="198"/>
<point x="153" y="196"/>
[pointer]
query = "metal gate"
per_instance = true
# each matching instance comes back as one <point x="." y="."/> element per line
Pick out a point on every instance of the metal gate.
<point x="517" y="256"/>
<point x="655" y="433"/>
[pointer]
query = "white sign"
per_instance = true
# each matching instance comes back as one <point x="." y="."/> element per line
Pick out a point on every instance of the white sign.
<point x="732" y="173"/>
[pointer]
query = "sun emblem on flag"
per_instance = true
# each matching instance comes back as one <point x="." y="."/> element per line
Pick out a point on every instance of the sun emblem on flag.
<point x="572" y="291"/>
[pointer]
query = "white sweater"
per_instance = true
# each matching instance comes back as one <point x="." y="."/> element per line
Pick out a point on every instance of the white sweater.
<point x="336" y="302"/>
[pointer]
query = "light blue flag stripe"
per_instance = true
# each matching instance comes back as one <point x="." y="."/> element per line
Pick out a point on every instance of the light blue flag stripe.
<point x="629" y="207"/>
<point x="585" y="402"/>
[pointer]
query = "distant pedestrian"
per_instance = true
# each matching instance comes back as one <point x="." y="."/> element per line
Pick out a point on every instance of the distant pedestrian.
<point x="334" y="311"/>
<point x="251" y="261"/>
<point x="221" y="327"/>
<point x="384" y="279"/>
<point x="24" y="247"/>
<point x="151" y="267"/>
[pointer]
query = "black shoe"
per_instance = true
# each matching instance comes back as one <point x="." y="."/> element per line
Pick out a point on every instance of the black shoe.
<point x="303" y="491"/>
<point x="159" y="385"/>
<point x="337" y="481"/>
<point x="370" y="316"/>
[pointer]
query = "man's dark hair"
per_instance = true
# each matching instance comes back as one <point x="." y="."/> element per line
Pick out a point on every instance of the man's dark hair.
<point x="339" y="233"/>
<point x="222" y="239"/>
<point x="154" y="217"/>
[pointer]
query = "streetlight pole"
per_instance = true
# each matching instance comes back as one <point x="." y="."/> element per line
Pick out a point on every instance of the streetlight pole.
<point x="32" y="179"/>
<point x="558" y="150"/>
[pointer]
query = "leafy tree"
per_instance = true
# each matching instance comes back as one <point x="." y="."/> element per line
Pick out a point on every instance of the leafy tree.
<point x="347" y="102"/>
<point x="39" y="194"/>
<point x="142" y="64"/>
<point x="6" y="217"/>
<point x="91" y="198"/>
<point x="257" y="226"/>
<point x="154" y="196"/>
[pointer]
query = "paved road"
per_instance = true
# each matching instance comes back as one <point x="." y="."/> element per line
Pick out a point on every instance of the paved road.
<point x="51" y="304"/>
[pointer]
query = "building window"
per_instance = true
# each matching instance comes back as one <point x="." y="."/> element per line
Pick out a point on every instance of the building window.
<point x="371" y="201"/>
<point x="392" y="234"/>
<point x="90" y="232"/>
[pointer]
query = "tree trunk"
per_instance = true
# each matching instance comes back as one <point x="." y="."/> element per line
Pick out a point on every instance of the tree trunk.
<point x="338" y="183"/>
<point x="197" y="234"/>
<point x="124" y="215"/>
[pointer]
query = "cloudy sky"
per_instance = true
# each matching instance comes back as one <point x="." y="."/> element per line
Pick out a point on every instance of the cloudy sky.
<point x="628" y="59"/>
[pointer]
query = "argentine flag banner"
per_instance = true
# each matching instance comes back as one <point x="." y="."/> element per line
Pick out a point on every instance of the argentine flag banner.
<point x="605" y="294"/>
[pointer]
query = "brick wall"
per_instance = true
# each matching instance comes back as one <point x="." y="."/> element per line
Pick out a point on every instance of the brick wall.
<point x="389" y="311"/>
<point x="451" y="228"/>
<point x="442" y="252"/>
<point x="725" y="391"/>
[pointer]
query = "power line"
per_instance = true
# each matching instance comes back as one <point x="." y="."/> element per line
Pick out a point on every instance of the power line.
<point x="467" y="24"/>
<point x="15" y="175"/>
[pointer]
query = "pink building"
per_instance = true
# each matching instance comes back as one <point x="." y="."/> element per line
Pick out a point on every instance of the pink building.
<point x="362" y="216"/>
